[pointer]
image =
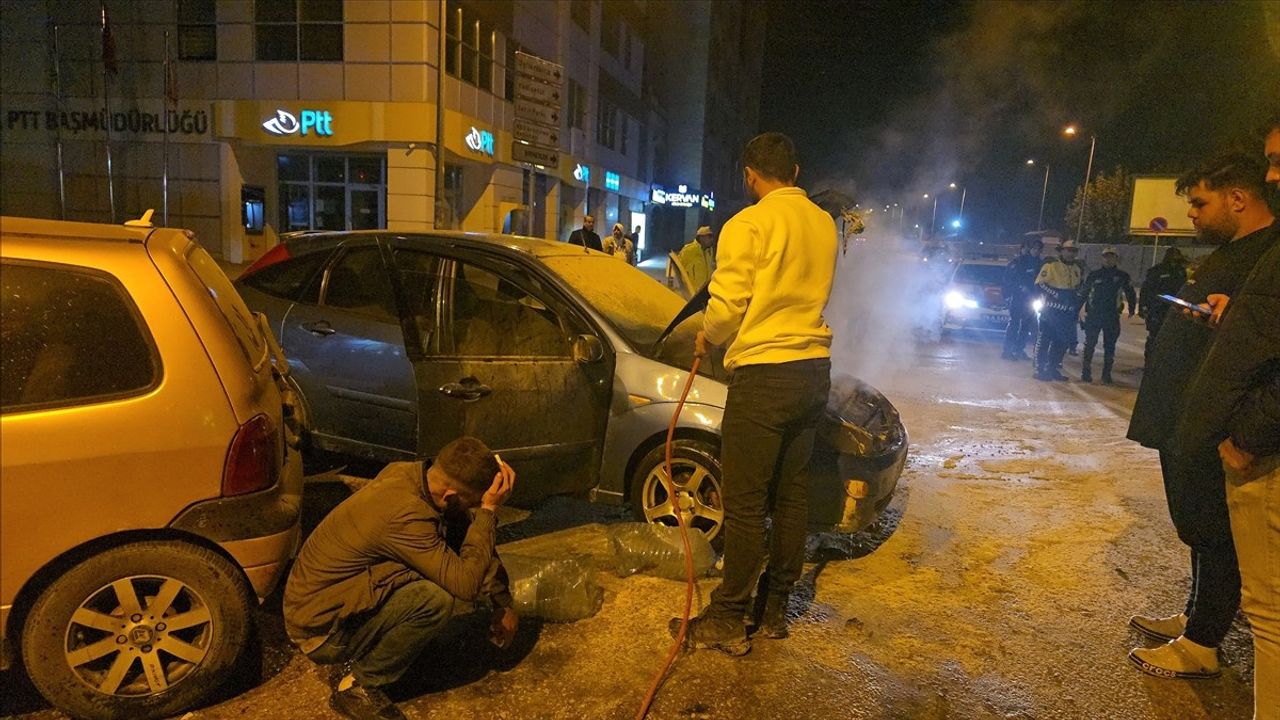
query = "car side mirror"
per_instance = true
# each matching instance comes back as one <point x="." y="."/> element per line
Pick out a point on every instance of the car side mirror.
<point x="587" y="349"/>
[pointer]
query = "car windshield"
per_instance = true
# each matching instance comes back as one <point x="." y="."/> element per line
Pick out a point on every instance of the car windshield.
<point x="636" y="305"/>
<point x="980" y="274"/>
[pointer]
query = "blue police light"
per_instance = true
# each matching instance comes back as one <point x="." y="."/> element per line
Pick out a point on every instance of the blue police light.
<point x="955" y="224"/>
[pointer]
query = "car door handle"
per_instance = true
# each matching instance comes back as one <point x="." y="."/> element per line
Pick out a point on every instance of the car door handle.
<point x="467" y="389"/>
<point x="319" y="327"/>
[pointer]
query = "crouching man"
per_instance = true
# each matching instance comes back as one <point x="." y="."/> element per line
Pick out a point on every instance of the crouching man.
<point x="387" y="568"/>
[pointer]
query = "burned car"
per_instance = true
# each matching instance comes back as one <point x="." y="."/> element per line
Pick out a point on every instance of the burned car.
<point x="552" y="353"/>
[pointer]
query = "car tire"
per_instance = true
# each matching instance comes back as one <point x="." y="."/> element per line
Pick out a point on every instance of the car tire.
<point x="74" y="661"/>
<point x="693" y="460"/>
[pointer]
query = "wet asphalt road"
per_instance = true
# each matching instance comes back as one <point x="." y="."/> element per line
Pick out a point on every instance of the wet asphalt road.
<point x="1025" y="532"/>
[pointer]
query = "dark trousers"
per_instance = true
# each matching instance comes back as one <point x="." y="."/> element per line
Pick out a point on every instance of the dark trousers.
<point x="1195" y="488"/>
<point x="1154" y="321"/>
<point x="1022" y="326"/>
<point x="382" y="643"/>
<point x="1057" y="333"/>
<point x="1109" y="326"/>
<point x="770" y="421"/>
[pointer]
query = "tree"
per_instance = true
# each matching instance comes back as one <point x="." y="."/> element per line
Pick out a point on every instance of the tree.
<point x="1106" y="216"/>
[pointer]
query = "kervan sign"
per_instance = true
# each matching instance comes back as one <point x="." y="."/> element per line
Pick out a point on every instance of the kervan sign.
<point x="308" y="122"/>
<point x="682" y="197"/>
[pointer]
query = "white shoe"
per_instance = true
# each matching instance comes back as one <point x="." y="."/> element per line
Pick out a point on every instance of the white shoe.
<point x="1163" y="629"/>
<point x="1178" y="659"/>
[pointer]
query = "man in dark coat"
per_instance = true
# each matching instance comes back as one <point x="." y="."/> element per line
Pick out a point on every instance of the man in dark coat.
<point x="1103" y="290"/>
<point x="1019" y="294"/>
<point x="1237" y="393"/>
<point x="586" y="235"/>
<point x="1164" y="278"/>
<point x="1229" y="209"/>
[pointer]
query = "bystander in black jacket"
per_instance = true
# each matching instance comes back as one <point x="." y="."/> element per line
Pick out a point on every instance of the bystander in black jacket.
<point x="1020" y="278"/>
<point x="1102" y="291"/>
<point x="1164" y="278"/>
<point x="1183" y="341"/>
<point x="1237" y="388"/>
<point x="586" y="238"/>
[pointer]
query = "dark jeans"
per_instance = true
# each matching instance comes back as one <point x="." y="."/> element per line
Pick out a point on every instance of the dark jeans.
<point x="1109" y="326"/>
<point x="1154" y="321"/>
<point x="1022" y="326"/>
<point x="382" y="643"/>
<point x="770" y="421"/>
<point x="1195" y="488"/>
<point x="1057" y="333"/>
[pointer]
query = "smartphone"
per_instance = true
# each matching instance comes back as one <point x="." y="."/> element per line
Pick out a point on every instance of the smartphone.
<point x="1186" y="305"/>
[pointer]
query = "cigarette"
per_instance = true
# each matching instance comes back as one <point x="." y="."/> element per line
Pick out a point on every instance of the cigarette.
<point x="498" y="457"/>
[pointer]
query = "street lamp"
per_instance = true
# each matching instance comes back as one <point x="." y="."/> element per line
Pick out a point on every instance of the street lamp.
<point x="963" y="191"/>
<point x="1043" y="193"/>
<point x="933" y="222"/>
<point x="1071" y="131"/>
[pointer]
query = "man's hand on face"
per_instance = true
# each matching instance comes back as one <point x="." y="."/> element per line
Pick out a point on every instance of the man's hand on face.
<point x="503" y="483"/>
<point x="1234" y="457"/>
<point x="700" y="344"/>
<point x="503" y="626"/>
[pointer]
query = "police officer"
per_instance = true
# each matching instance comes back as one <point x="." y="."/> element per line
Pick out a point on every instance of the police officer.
<point x="1165" y="278"/>
<point x="1019" y="293"/>
<point x="1101" y="294"/>
<point x="1059" y="281"/>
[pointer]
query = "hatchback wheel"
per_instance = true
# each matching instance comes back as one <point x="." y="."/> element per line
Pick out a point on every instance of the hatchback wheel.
<point x="140" y="631"/>
<point x="697" y="478"/>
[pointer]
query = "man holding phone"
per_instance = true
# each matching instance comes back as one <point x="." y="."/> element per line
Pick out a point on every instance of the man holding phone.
<point x="1227" y="198"/>
<point x="386" y="569"/>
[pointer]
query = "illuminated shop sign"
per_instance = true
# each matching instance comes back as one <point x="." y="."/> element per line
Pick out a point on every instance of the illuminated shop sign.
<point x="317" y="122"/>
<point x="582" y="174"/>
<point x="480" y="141"/>
<point x="682" y="197"/>
<point x="612" y="181"/>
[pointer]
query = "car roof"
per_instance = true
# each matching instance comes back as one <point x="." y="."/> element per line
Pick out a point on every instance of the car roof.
<point x="536" y="247"/>
<point x="79" y="231"/>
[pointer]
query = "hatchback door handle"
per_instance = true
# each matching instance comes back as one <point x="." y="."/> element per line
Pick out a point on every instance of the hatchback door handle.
<point x="467" y="389"/>
<point x="319" y="327"/>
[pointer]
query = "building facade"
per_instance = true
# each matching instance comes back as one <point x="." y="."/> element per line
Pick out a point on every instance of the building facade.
<point x="244" y="119"/>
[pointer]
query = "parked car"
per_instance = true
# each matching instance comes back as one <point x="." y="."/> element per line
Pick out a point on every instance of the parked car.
<point x="974" y="297"/>
<point x="400" y="342"/>
<point x="149" y="487"/>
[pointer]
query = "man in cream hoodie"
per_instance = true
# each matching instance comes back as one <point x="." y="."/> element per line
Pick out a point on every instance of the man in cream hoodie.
<point x="773" y="276"/>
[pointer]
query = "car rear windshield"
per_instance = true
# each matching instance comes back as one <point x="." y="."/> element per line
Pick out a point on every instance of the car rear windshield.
<point x="980" y="274"/>
<point x="228" y="302"/>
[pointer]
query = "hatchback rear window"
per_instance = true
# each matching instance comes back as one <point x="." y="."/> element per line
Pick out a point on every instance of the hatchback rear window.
<point x="71" y="336"/>
<point x="229" y="303"/>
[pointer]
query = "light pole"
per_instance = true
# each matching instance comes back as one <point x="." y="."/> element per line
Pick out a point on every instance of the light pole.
<point x="933" y="222"/>
<point x="1043" y="193"/>
<point x="963" y="191"/>
<point x="1070" y="130"/>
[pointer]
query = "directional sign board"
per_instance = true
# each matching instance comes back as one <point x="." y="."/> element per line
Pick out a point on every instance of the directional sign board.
<point x="537" y="134"/>
<point x="536" y="68"/>
<point x="536" y="91"/>
<point x="535" y="155"/>
<point x="526" y="110"/>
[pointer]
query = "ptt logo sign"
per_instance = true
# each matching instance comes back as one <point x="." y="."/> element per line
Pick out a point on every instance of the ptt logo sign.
<point x="310" y="122"/>
<point x="480" y="141"/>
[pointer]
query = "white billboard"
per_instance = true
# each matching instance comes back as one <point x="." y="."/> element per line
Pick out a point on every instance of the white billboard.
<point x="1154" y="198"/>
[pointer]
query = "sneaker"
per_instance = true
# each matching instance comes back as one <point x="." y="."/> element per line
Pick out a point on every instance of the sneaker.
<point x="1162" y="629"/>
<point x="773" y="623"/>
<point x="707" y="633"/>
<point x="364" y="703"/>
<point x="1178" y="659"/>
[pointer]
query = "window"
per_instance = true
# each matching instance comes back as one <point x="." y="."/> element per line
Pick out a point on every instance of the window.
<point x="622" y="134"/>
<point x="358" y="282"/>
<point x="611" y="31"/>
<point x="607" y="124"/>
<point x="577" y="105"/>
<point x="509" y="80"/>
<point x="451" y="198"/>
<point x="287" y="278"/>
<point x="298" y="30"/>
<point x="331" y="192"/>
<point x="493" y="316"/>
<point x="469" y="48"/>
<point x="197" y="30"/>
<point x="419" y="275"/>
<point x="71" y="336"/>
<point x="580" y="11"/>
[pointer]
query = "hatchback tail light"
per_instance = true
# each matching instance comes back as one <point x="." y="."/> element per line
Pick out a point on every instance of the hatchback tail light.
<point x="276" y="254"/>
<point x="253" y="462"/>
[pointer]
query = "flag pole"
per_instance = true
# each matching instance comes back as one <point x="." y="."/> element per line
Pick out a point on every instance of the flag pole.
<point x="108" y="59"/>
<point x="57" y="99"/>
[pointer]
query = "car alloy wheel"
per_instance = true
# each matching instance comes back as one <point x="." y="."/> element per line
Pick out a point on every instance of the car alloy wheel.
<point x="696" y="470"/>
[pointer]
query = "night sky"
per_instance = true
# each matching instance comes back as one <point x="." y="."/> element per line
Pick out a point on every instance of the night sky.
<point x="888" y="100"/>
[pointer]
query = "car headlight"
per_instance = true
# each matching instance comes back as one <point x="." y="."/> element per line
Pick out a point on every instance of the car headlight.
<point x="1038" y="305"/>
<point x="956" y="300"/>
